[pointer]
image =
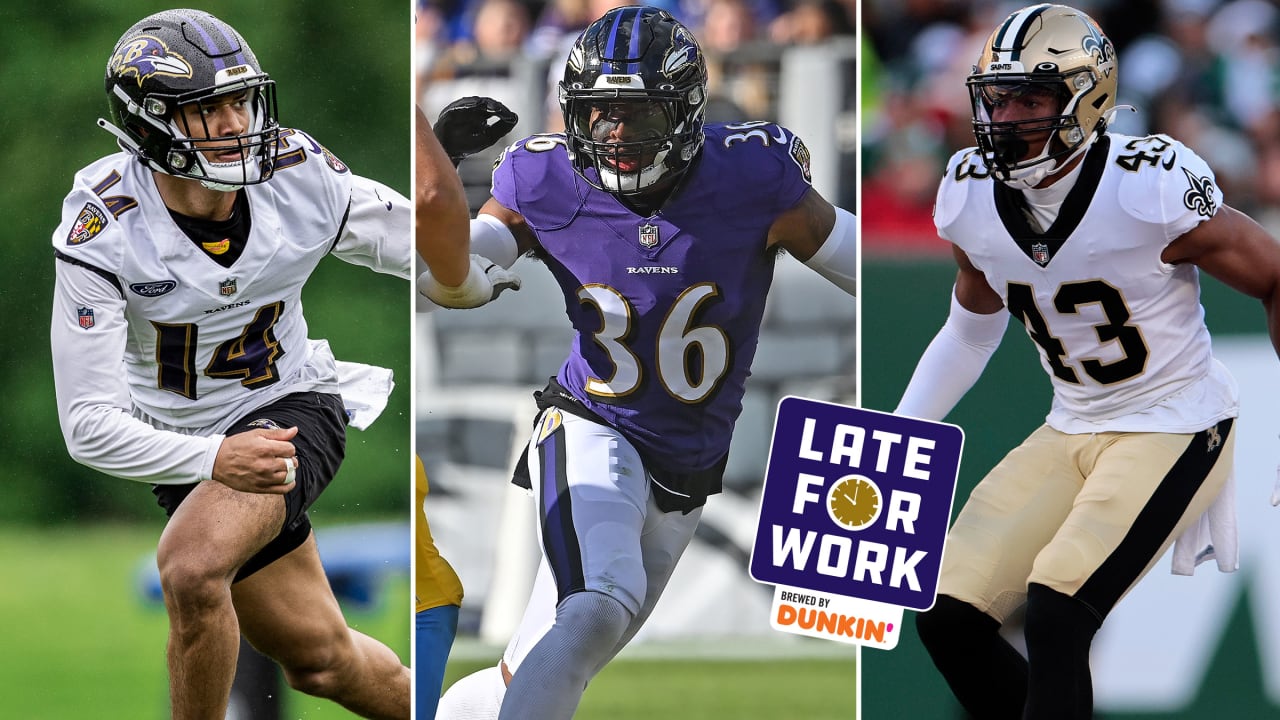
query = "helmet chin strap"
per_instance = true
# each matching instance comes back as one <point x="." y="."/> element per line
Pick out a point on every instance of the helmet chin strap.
<point x="1028" y="177"/>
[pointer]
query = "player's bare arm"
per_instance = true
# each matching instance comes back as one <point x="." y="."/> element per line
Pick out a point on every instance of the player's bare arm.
<point x="804" y="228"/>
<point x="440" y="211"/>
<point x="1234" y="248"/>
<point x="821" y="236"/>
<point x="972" y="290"/>
<point x="515" y="222"/>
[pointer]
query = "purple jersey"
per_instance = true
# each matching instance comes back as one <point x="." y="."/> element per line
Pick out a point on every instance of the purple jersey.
<point x="666" y="308"/>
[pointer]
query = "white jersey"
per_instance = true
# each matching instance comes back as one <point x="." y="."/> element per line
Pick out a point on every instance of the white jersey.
<point x="1120" y="332"/>
<point x="157" y="349"/>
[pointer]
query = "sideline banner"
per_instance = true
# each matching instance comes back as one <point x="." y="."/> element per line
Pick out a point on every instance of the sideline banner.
<point x="853" y="518"/>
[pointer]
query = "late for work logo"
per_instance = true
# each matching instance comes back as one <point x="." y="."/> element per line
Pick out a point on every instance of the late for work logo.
<point x="853" y="518"/>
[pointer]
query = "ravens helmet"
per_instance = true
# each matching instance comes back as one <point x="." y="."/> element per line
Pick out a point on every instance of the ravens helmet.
<point x="634" y="95"/>
<point x="179" y="58"/>
<point x="1057" y="53"/>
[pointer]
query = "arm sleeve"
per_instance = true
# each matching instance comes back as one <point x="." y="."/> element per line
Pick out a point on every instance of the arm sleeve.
<point x="952" y="363"/>
<point x="93" y="394"/>
<point x="375" y="233"/>
<point x="837" y="259"/>
<point x="492" y="239"/>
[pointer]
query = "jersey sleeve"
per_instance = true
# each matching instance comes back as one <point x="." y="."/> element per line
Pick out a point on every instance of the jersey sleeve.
<point x="1167" y="184"/>
<point x="503" y="188"/>
<point x="370" y="220"/>
<point x="535" y="178"/>
<point x="963" y="167"/>
<point x="795" y="177"/>
<point x="87" y="337"/>
<point x="376" y="229"/>
<point x="1189" y="194"/>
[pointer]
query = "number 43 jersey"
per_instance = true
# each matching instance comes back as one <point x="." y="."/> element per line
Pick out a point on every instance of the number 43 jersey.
<point x="666" y="308"/>
<point x="1120" y="332"/>
<point x="152" y="337"/>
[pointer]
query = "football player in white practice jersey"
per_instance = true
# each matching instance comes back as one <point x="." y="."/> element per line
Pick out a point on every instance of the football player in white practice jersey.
<point x="1092" y="240"/>
<point x="182" y="359"/>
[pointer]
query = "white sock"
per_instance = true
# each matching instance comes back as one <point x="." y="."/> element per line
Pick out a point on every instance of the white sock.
<point x="477" y="696"/>
<point x="550" y="681"/>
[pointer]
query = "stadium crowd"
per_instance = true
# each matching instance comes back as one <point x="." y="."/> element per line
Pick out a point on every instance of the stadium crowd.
<point x="475" y="47"/>
<point x="1203" y="71"/>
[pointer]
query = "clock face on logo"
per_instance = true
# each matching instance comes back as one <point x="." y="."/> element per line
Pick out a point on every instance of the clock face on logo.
<point x="853" y="502"/>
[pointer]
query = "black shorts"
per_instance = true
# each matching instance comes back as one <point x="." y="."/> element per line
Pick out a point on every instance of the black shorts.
<point x="321" y="444"/>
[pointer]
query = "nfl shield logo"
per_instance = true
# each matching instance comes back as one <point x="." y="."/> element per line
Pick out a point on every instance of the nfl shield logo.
<point x="227" y="287"/>
<point x="85" y="316"/>
<point x="649" y="235"/>
<point x="1040" y="253"/>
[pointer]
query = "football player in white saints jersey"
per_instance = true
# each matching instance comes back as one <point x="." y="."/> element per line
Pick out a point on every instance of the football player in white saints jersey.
<point x="1093" y="241"/>
<point x="182" y="359"/>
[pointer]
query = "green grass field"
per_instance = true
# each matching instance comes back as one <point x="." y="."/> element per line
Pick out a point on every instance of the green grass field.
<point x="785" y="688"/>
<point x="80" y="642"/>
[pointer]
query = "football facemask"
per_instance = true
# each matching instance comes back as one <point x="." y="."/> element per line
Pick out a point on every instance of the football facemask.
<point x="1051" y="51"/>
<point x="180" y="64"/>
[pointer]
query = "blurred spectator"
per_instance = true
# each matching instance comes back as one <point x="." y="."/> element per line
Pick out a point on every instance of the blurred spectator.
<point x="590" y="10"/>
<point x="515" y="50"/>
<point x="480" y="66"/>
<point x="738" y="72"/>
<point x="726" y="26"/>
<point x="1204" y="71"/>
<point x="811" y="21"/>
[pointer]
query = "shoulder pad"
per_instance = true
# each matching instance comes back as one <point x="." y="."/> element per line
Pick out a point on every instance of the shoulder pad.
<point x="533" y="176"/>
<point x="305" y="166"/>
<point x="752" y="150"/>
<point x="89" y="233"/>
<point x="1165" y="182"/>
<point x="965" y="168"/>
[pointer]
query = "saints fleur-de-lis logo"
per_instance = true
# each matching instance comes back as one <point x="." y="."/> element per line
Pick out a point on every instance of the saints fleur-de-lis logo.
<point x="1200" y="196"/>
<point x="1097" y="44"/>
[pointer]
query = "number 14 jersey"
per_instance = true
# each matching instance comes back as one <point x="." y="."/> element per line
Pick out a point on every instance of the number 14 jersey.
<point x="147" y="326"/>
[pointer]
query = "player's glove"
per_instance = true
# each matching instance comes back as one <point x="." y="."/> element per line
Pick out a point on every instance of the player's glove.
<point x="485" y="282"/>
<point x="470" y="124"/>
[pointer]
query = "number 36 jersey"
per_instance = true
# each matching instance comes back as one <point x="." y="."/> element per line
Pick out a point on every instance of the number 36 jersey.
<point x="158" y="348"/>
<point x="667" y="308"/>
<point x="1120" y="332"/>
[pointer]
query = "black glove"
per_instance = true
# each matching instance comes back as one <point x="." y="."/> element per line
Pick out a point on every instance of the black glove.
<point x="470" y="124"/>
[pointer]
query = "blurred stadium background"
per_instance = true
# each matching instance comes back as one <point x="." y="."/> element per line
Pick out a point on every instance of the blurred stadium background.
<point x="787" y="61"/>
<point x="79" y="640"/>
<point x="1204" y="71"/>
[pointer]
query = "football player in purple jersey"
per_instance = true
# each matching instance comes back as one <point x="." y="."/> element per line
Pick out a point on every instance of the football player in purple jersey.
<point x="662" y="232"/>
